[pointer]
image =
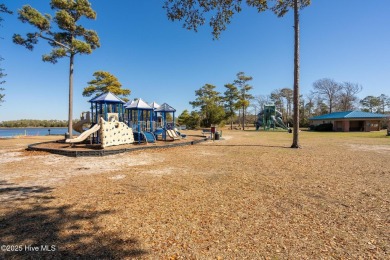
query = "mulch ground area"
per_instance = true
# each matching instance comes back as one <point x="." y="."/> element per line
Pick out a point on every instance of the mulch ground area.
<point x="59" y="144"/>
<point x="248" y="196"/>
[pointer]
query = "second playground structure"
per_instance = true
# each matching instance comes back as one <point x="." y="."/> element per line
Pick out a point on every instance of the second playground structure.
<point x="269" y="118"/>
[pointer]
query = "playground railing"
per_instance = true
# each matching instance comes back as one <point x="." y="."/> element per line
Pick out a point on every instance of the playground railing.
<point x="143" y="126"/>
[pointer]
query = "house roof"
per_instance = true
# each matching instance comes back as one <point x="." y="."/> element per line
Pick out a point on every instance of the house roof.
<point x="349" y="115"/>
<point x="138" y="104"/>
<point x="165" y="108"/>
<point x="107" y="98"/>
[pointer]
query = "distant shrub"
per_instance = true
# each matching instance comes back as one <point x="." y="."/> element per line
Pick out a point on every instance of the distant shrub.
<point x="384" y="123"/>
<point x="35" y="123"/>
<point x="324" y="127"/>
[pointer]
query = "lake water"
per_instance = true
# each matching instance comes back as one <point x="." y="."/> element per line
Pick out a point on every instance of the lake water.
<point x="11" y="132"/>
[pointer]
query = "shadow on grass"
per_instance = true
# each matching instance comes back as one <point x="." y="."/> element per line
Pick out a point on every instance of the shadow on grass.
<point x="265" y="131"/>
<point x="250" y="145"/>
<point x="11" y="192"/>
<point x="43" y="231"/>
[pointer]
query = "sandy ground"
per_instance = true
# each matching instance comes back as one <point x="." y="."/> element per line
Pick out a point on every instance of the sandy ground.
<point x="248" y="196"/>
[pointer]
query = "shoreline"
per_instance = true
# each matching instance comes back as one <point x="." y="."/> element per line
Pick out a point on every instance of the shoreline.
<point x="12" y="132"/>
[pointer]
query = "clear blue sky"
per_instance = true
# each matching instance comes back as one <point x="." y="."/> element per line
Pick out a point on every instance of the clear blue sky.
<point x="160" y="61"/>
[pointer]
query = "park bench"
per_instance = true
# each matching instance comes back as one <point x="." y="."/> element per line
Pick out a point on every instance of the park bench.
<point x="206" y="131"/>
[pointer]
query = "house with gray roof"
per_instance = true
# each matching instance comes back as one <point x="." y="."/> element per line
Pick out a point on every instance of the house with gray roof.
<point x="349" y="121"/>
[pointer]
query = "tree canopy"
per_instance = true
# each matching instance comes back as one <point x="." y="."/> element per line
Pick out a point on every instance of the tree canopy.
<point x="371" y="104"/>
<point x="194" y="13"/>
<point x="69" y="38"/>
<point x="231" y="96"/>
<point x="105" y="82"/>
<point x="210" y="103"/>
<point x="244" y="96"/>
<point x="3" y="9"/>
<point x="347" y="97"/>
<point x="191" y="120"/>
<point x="2" y="75"/>
<point x="384" y="101"/>
<point x="328" y="89"/>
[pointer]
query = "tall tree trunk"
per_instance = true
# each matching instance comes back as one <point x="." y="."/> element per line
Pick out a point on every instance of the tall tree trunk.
<point x="303" y="109"/>
<point x="239" y="117"/>
<point x="70" y="113"/>
<point x="295" y="143"/>
<point x="243" y="118"/>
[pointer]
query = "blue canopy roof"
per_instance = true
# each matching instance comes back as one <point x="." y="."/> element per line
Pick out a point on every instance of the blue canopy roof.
<point x="107" y="98"/>
<point x="349" y="115"/>
<point x="165" y="108"/>
<point x="138" y="104"/>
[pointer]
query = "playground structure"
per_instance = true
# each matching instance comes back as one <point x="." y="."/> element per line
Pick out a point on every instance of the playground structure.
<point x="269" y="117"/>
<point x="123" y="123"/>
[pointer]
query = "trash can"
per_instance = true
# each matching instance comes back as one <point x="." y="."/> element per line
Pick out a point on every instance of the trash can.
<point x="213" y="129"/>
<point x="67" y="135"/>
<point x="216" y="136"/>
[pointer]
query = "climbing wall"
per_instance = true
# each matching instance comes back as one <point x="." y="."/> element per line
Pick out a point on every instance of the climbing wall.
<point x="115" y="133"/>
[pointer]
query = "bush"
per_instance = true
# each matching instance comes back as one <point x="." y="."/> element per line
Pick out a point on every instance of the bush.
<point x="324" y="127"/>
<point x="384" y="123"/>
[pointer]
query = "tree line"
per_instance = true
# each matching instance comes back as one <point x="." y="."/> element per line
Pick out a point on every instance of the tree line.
<point x="34" y="123"/>
<point x="238" y="106"/>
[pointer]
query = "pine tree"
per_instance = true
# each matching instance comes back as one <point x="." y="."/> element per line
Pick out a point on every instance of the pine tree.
<point x="68" y="40"/>
<point x="105" y="82"/>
